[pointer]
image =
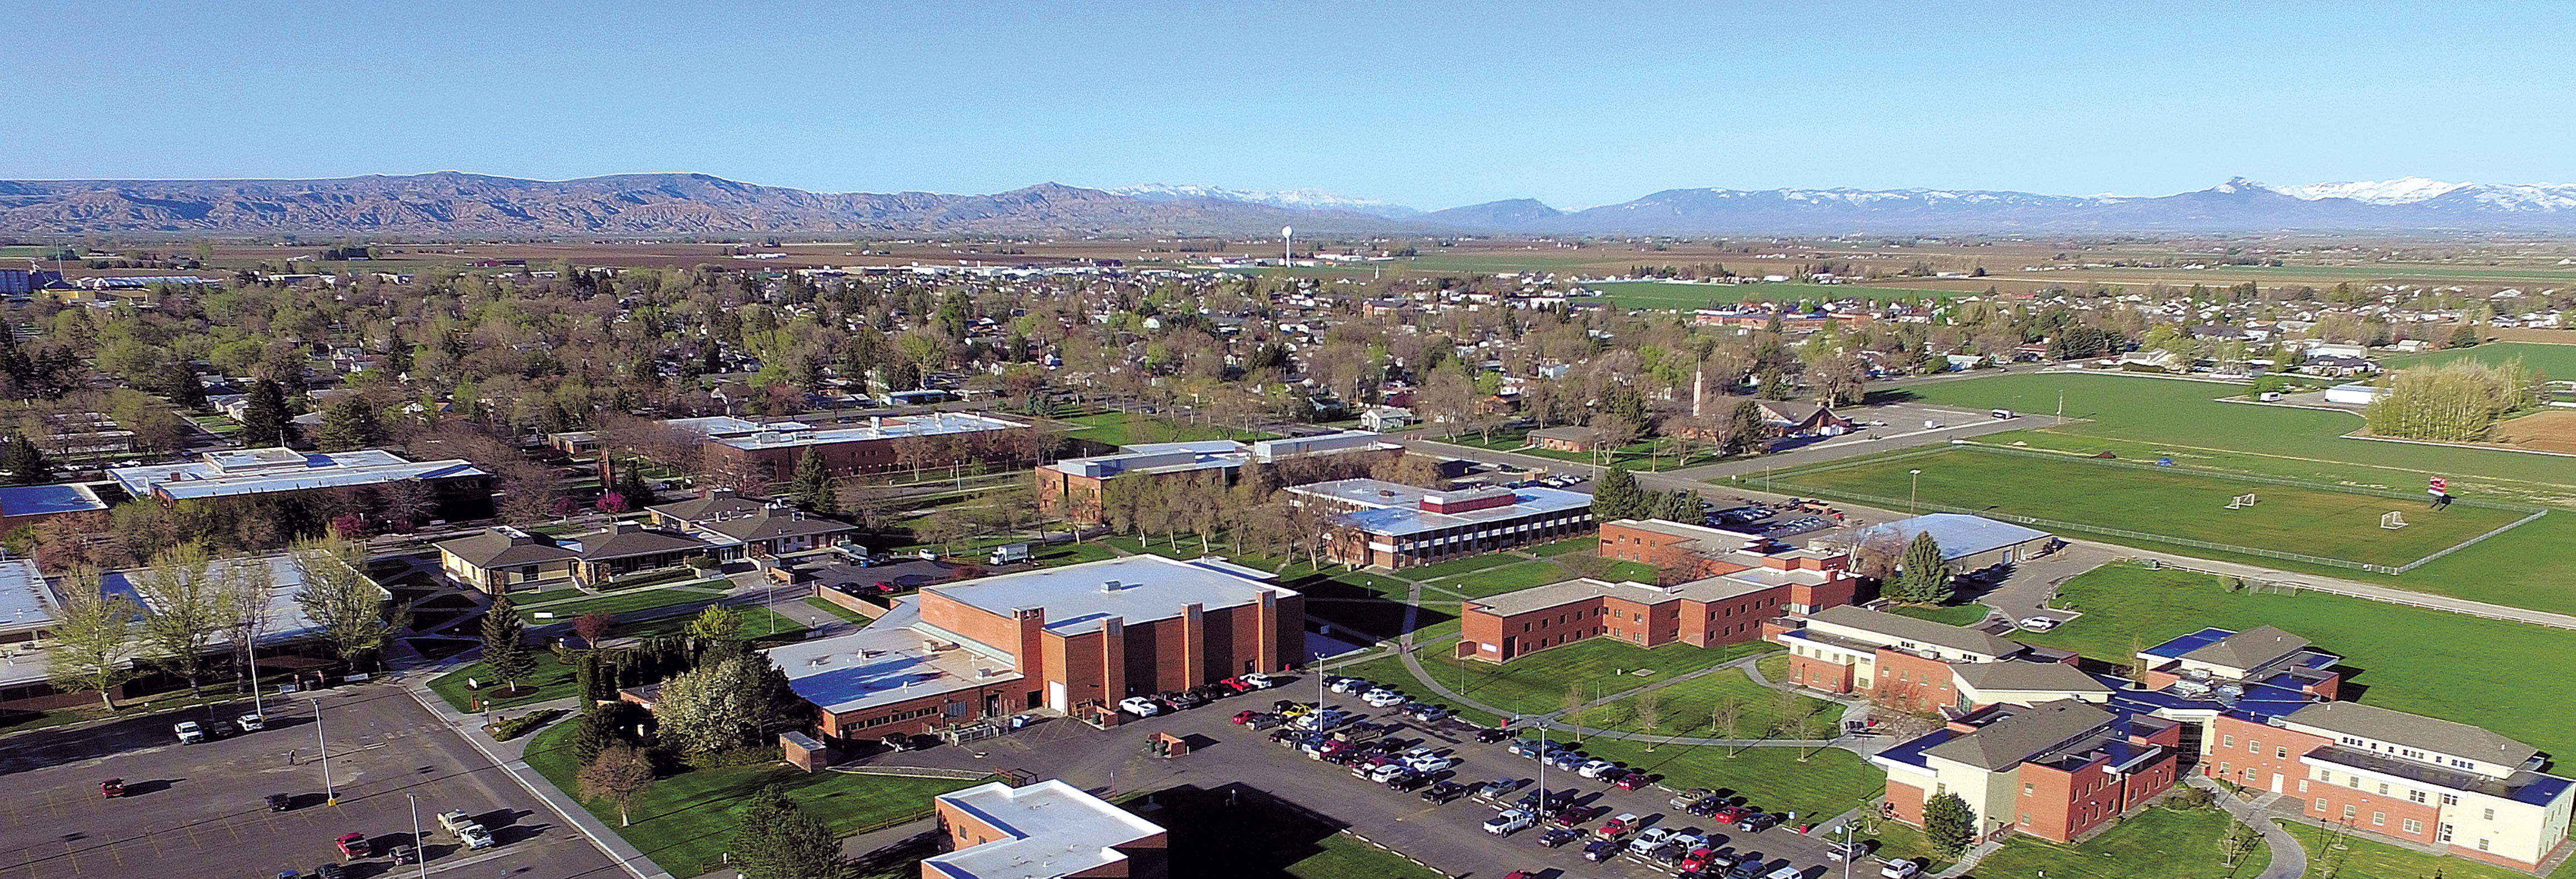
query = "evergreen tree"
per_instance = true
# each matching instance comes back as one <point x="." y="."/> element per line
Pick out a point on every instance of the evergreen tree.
<point x="812" y="488"/>
<point x="349" y="423"/>
<point x="2466" y="336"/>
<point x="1946" y="824"/>
<point x="1617" y="496"/>
<point x="27" y="464"/>
<point x="505" y="650"/>
<point x="1922" y="577"/>
<point x="776" y="840"/>
<point x="1679" y="506"/>
<point x="265" y="421"/>
<point x="185" y="389"/>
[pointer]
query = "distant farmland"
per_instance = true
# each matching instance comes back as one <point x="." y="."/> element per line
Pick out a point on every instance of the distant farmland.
<point x="1685" y="297"/>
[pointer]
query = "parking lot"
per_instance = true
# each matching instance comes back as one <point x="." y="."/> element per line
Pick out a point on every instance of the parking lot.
<point x="201" y="810"/>
<point x="1448" y="837"/>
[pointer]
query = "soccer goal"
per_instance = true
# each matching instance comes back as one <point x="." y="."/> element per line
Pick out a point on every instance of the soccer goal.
<point x="2392" y="520"/>
<point x="2240" y="502"/>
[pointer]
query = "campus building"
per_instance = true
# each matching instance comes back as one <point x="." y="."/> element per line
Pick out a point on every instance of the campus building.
<point x="1968" y="543"/>
<point x="1729" y="598"/>
<point x="1046" y="830"/>
<point x="1072" y="488"/>
<point x="503" y="558"/>
<point x="29" y="601"/>
<point x="1074" y="639"/>
<point x="739" y="528"/>
<point x="879" y="445"/>
<point x="1923" y="666"/>
<point x="1389" y="525"/>
<point x="452" y="490"/>
<point x="1688" y="552"/>
<point x="2055" y="770"/>
<point x="22" y="505"/>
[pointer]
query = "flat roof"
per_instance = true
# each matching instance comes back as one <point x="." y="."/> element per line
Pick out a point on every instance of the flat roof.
<point x="40" y="500"/>
<point x="1052" y="829"/>
<point x="1392" y="508"/>
<point x="1960" y="535"/>
<point x="1712" y="589"/>
<point x="26" y="603"/>
<point x="1898" y="628"/>
<point x="260" y="471"/>
<point x="781" y="436"/>
<point x="1077" y="598"/>
<point x="885" y="663"/>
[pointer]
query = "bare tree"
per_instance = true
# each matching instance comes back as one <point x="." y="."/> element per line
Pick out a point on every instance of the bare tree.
<point x="1726" y="718"/>
<point x="1649" y="713"/>
<point x="620" y="774"/>
<point x="1610" y="433"/>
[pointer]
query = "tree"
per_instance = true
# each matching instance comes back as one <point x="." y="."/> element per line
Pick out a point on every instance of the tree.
<point x="1922" y="577"/>
<point x="1726" y="718"/>
<point x="243" y="589"/>
<point x="716" y="623"/>
<point x="727" y="704"/>
<point x="185" y="610"/>
<point x="1616" y="495"/>
<point x="2464" y="336"/>
<point x="609" y="724"/>
<point x="349" y="423"/>
<point x="1610" y="433"/>
<point x="505" y="646"/>
<point x="619" y="774"/>
<point x="337" y="595"/>
<point x="1947" y="824"/>
<point x="593" y="627"/>
<point x="27" y="463"/>
<point x="265" y="421"/>
<point x="184" y="388"/>
<point x="2239" y="842"/>
<point x="1649" y="713"/>
<point x="1574" y="698"/>
<point x="812" y="487"/>
<point x="1839" y="380"/>
<point x="92" y="635"/>
<point x="776" y="840"/>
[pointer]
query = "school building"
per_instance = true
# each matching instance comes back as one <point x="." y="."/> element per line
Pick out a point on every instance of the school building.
<point x="1391" y="525"/>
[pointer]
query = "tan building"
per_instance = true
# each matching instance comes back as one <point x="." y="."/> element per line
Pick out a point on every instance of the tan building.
<point x="2055" y="770"/>
<point x="1924" y="666"/>
<point x="1047" y="830"/>
<point x="503" y="558"/>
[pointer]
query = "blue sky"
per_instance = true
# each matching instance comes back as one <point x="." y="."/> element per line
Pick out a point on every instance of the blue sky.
<point x="1431" y="105"/>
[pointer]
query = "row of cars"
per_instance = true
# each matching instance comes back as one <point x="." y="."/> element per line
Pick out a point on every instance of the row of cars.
<point x="1183" y="700"/>
<point x="355" y="846"/>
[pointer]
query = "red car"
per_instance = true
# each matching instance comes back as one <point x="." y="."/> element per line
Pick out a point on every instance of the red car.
<point x="1521" y="874"/>
<point x="114" y="787"/>
<point x="1237" y="685"/>
<point x="352" y="845"/>
<point x="1244" y="716"/>
<point x="1633" y="781"/>
<point x="1729" y="814"/>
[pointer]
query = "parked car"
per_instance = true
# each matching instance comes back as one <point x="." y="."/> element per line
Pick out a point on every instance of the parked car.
<point x="1594" y="768"/>
<point x="1245" y="716"/>
<point x="1408" y="781"/>
<point x="1557" y="837"/>
<point x="330" y="871"/>
<point x="453" y="819"/>
<point x="1530" y="748"/>
<point x="1497" y="788"/>
<point x="1635" y="781"/>
<point x="1509" y="822"/>
<point x="1433" y="713"/>
<point x="1688" y="798"/>
<point x="1841" y="850"/>
<point x="1600" y="850"/>
<point x="280" y="802"/>
<point x="1427" y="765"/>
<point x="2039" y="624"/>
<point x="352" y="845"/>
<point x="1490" y="736"/>
<point x="1649" y="839"/>
<point x="1619" y="826"/>
<point x="1443" y="791"/>
<point x="112" y="788"/>
<point x="405" y="854"/>
<point x="1384" y="773"/>
<point x="1382" y="698"/>
<point x="1729" y="813"/>
<point x="1139" y="706"/>
<point x="1185" y="699"/>
<point x="1899" y="869"/>
<point x="251" y="722"/>
<point x="1757" y="822"/>
<point x="1348" y="685"/>
<point x="1259" y="681"/>
<point x="1568" y="761"/>
<point x="189" y="732"/>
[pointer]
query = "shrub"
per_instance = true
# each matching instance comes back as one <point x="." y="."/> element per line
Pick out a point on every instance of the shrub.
<point x="513" y="727"/>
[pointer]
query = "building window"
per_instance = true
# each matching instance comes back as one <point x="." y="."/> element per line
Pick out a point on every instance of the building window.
<point x="2282" y="752"/>
<point x="2450" y="799"/>
<point x="2383" y="788"/>
<point x="2228" y="742"/>
<point x="2303" y="785"/>
<point x="2250" y="775"/>
<point x="2321" y="805"/>
<point x="2025" y="791"/>
<point x="2253" y="747"/>
<point x="2350" y="812"/>
<point x="2412" y="826"/>
<point x="2414" y="796"/>
<point x="2490" y="814"/>
<point x="2025" y="819"/>
<point x="2224" y="769"/>
<point x="2378" y="819"/>
<point x="2352" y="781"/>
<point x="2482" y="845"/>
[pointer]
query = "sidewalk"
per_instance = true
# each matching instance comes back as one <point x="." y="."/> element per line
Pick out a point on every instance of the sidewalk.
<point x="509" y="756"/>
<point x="2289" y="861"/>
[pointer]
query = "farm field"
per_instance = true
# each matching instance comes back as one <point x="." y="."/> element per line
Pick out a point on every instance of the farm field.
<point x="1687" y="296"/>
<point x="2499" y="675"/>
<point x="2170" y="503"/>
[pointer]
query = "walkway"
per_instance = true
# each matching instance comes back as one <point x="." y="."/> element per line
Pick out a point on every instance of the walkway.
<point x="2289" y="861"/>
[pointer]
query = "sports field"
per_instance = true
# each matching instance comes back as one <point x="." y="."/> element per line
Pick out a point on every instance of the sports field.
<point x="2166" y="502"/>
<point x="2557" y="361"/>
<point x="1686" y="296"/>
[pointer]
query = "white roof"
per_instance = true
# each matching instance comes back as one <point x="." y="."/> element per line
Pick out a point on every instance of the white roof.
<point x="777" y="436"/>
<point x="25" y="603"/>
<point x="1052" y="829"/>
<point x="1078" y="597"/>
<point x="257" y="471"/>
<point x="890" y="661"/>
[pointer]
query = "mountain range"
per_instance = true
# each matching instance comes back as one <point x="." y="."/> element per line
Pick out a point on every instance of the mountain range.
<point x="457" y="205"/>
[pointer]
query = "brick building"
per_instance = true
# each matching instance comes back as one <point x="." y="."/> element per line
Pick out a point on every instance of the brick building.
<point x="1924" y="666"/>
<point x="1047" y="830"/>
<point x="775" y="449"/>
<point x="1728" y="599"/>
<point x="2054" y="770"/>
<point x="1071" y="639"/>
<point x="1689" y="552"/>
<point x="1072" y="489"/>
<point x="1389" y="525"/>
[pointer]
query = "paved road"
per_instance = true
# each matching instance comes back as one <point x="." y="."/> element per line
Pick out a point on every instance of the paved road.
<point x="199" y="810"/>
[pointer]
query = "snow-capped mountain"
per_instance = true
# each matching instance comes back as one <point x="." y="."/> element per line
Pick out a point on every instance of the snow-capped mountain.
<point x="1296" y="199"/>
<point x="2403" y="190"/>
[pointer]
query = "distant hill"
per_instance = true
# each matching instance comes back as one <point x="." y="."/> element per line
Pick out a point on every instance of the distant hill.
<point x="452" y="204"/>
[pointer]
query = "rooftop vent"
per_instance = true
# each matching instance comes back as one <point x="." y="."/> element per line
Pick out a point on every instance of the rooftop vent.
<point x="1110" y="586"/>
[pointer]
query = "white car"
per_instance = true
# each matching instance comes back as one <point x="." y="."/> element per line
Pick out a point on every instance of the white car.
<point x="1382" y="698"/>
<point x="189" y="732"/>
<point x="1260" y="681"/>
<point x="1349" y="685"/>
<point x="1428" y="765"/>
<point x="2039" y="624"/>
<point x="1139" y="706"/>
<point x="1592" y="769"/>
<point x="251" y="722"/>
<point x="1900" y="870"/>
<point x="474" y="836"/>
<point x="1510" y="822"/>
<point x="1388" y="771"/>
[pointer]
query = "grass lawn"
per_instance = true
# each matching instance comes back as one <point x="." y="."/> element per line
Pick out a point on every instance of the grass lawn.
<point x="1455" y="567"/>
<point x="552" y="679"/>
<point x="2159" y="843"/>
<point x="2504" y="676"/>
<point x="625" y="602"/>
<point x="2362" y="856"/>
<point x="1253" y="835"/>
<point x="1129" y="428"/>
<point x="1561" y="547"/>
<point x="1830" y="782"/>
<point x="685" y="821"/>
<point x="1684" y="709"/>
<point x="1070" y="554"/>
<point x="1538" y="683"/>
<point x="836" y="610"/>
<point x="1953" y="614"/>
<point x="2559" y="361"/>
<point x="758" y="624"/>
<point x="1774" y="667"/>
<point x="2166" y="502"/>
<point x="1508" y="578"/>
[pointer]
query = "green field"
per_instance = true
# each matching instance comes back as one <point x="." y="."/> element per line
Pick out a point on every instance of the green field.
<point x="2557" y="361"/>
<point x="1539" y="683"/>
<point x="1685" y="296"/>
<point x="1507" y="578"/>
<point x="626" y="602"/>
<point x="2360" y="856"/>
<point x="2140" y="417"/>
<point x="1128" y="428"/>
<point x="686" y="820"/>
<point x="1684" y="709"/>
<point x="1953" y="614"/>
<point x="2160" y="843"/>
<point x="2167" y="502"/>
<point x="1828" y="783"/>
<point x="2503" y="676"/>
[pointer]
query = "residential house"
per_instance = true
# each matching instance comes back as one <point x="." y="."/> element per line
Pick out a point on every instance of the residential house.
<point x="503" y="558"/>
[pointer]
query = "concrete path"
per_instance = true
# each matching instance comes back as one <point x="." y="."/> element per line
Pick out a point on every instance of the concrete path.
<point x="2289" y="861"/>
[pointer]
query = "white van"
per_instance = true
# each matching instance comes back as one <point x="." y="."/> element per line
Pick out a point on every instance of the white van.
<point x="2001" y="413"/>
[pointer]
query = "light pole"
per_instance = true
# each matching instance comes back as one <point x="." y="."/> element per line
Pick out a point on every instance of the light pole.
<point x="423" y="857"/>
<point x="1848" y="854"/>
<point x="330" y="795"/>
<point x="1910" y="490"/>
<point x="251" y="643"/>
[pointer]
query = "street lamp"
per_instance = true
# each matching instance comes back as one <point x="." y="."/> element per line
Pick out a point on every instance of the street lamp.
<point x="1911" y="489"/>
<point x="330" y="795"/>
<point x="423" y="857"/>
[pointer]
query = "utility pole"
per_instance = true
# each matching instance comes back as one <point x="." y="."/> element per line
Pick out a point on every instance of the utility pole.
<point x="423" y="858"/>
<point x="1911" y="489"/>
<point x="251" y="643"/>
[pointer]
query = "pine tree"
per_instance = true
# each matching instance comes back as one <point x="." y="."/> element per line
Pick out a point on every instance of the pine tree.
<point x="1923" y="577"/>
<point x="1946" y="824"/>
<point x="265" y="421"/>
<point x="27" y="464"/>
<point x="349" y="424"/>
<point x="777" y="840"/>
<point x="812" y="488"/>
<point x="1617" y="496"/>
<point x="505" y="650"/>
<point x="185" y="389"/>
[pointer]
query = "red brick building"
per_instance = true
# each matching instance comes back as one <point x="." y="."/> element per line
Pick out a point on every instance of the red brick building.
<point x="884" y="443"/>
<point x="1737" y="595"/>
<point x="2055" y="770"/>
<point x="1047" y="830"/>
<point x="1923" y="666"/>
